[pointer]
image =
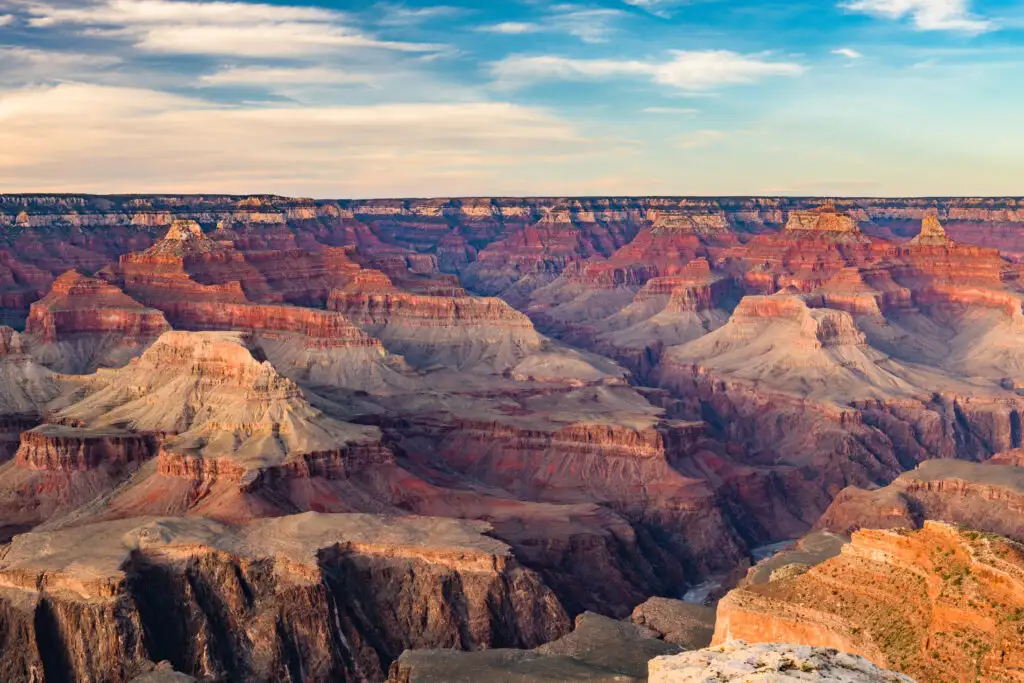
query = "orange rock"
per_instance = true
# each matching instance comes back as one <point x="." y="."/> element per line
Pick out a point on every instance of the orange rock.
<point x="940" y="604"/>
<point x="78" y="304"/>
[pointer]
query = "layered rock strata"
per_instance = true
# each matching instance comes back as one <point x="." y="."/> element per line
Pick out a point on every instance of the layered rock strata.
<point x="940" y="604"/>
<point x="310" y="593"/>
<point x="215" y="401"/>
<point x="26" y="389"/>
<point x="985" y="497"/>
<point x="86" y="323"/>
<point x="459" y="332"/>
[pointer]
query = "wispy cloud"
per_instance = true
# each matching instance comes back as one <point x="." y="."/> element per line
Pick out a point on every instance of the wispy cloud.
<point x="6" y="19"/>
<point x="400" y="15"/>
<point x="688" y="71"/>
<point x="85" y="137"/>
<point x="512" y="27"/>
<point x="20" y="65"/>
<point x="218" y="28"/>
<point x="927" y="15"/>
<point x="847" y="52"/>
<point x="658" y="8"/>
<point x="264" y="75"/>
<point x="588" y="24"/>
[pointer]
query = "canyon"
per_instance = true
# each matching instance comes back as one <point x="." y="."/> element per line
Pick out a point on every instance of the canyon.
<point x="504" y="435"/>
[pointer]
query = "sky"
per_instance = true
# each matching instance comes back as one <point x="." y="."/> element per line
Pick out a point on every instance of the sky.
<point x="425" y="98"/>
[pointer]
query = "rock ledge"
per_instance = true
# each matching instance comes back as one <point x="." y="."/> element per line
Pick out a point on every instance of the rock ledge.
<point x="737" y="661"/>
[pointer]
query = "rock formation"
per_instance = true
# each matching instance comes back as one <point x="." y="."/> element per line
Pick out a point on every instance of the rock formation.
<point x="459" y="332"/>
<point x="932" y="233"/>
<point x="824" y="220"/>
<point x="663" y="385"/>
<point x="684" y="624"/>
<point x="774" y="663"/>
<point x="163" y="673"/>
<point x="599" y="649"/>
<point x="312" y="593"/>
<point x="26" y="389"/>
<point x="984" y="497"/>
<point x="216" y="404"/>
<point x="85" y="323"/>
<point x="940" y="604"/>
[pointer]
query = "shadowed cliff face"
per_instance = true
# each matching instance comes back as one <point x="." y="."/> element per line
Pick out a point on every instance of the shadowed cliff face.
<point x="311" y="597"/>
<point x="631" y="393"/>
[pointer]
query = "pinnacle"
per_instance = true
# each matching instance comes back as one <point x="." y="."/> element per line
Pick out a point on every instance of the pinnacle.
<point x="932" y="232"/>
<point x="184" y="230"/>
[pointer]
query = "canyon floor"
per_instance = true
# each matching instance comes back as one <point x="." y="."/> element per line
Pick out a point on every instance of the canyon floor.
<point x="274" y="439"/>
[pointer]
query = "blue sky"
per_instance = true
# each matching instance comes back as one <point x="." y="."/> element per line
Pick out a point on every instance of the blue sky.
<point x="610" y="97"/>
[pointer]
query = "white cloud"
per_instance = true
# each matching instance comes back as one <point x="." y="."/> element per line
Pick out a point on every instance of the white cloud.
<point x="928" y="15"/>
<point x="658" y="8"/>
<point x="847" y="52"/>
<point x="512" y="28"/>
<point x="688" y="71"/>
<point x="20" y="65"/>
<point x="217" y="28"/>
<point x="53" y="58"/>
<point x="265" y="75"/>
<point x="400" y="15"/>
<point x="150" y="12"/>
<point x="101" y="138"/>
<point x="263" y="40"/>
<point x="6" y="19"/>
<point x="589" y="25"/>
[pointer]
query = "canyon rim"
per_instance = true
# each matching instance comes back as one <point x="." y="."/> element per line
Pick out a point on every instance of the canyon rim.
<point x="455" y="341"/>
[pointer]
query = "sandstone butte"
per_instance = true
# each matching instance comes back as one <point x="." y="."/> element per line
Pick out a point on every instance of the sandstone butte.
<point x="84" y="323"/>
<point x="632" y="393"/>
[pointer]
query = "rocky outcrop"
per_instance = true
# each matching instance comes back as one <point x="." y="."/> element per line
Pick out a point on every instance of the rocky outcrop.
<point x="20" y="285"/>
<point x="459" y="332"/>
<point x="188" y="265"/>
<point x="599" y="649"/>
<point x="932" y="233"/>
<point x="215" y="401"/>
<point x="26" y="389"/>
<point x="78" y="304"/>
<point x="56" y="448"/>
<point x="537" y="254"/>
<point x="627" y="469"/>
<point x="985" y="497"/>
<point x="86" y="323"/>
<point x="663" y="250"/>
<point x="941" y="604"/>
<point x="825" y="220"/>
<point x="774" y="663"/>
<point x="681" y="623"/>
<point x="163" y="673"/>
<point x="317" y="329"/>
<point x="310" y="593"/>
